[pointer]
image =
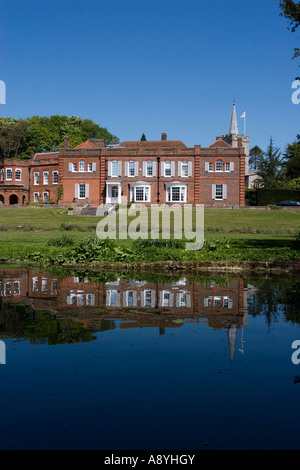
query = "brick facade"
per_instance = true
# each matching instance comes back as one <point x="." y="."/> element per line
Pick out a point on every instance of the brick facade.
<point x="148" y="172"/>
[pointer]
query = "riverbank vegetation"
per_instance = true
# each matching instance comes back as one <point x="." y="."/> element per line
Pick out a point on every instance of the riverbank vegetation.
<point x="51" y="237"/>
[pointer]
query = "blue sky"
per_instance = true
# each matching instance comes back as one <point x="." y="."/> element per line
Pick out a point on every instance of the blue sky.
<point x="153" y="66"/>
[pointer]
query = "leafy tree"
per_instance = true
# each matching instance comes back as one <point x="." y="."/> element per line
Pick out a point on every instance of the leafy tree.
<point x="291" y="11"/>
<point x="143" y="138"/>
<point x="45" y="134"/>
<point x="255" y="155"/>
<point x="11" y="137"/>
<point x="292" y="156"/>
<point x="270" y="167"/>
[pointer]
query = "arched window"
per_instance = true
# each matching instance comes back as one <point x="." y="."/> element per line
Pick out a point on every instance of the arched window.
<point x="219" y="165"/>
<point x="82" y="165"/>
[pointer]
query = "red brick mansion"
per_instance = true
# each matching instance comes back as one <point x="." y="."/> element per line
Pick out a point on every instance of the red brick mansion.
<point x="147" y="172"/>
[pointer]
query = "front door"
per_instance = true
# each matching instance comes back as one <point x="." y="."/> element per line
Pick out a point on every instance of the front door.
<point x="114" y="194"/>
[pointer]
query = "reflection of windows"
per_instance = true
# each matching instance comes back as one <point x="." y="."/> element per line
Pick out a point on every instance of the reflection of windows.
<point x="183" y="301"/>
<point x="71" y="299"/>
<point x="80" y="300"/>
<point x="1" y="289"/>
<point x="112" y="298"/>
<point x="54" y="287"/>
<point x="90" y="299"/>
<point x="16" y="288"/>
<point x="130" y="299"/>
<point x="2" y="174"/>
<point x="166" y="299"/>
<point x="44" y="285"/>
<point x="148" y="298"/>
<point x="217" y="302"/>
<point x="35" y="284"/>
<point x="7" y="289"/>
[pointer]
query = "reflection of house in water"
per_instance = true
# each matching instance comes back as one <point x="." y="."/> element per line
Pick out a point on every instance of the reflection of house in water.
<point x="132" y="303"/>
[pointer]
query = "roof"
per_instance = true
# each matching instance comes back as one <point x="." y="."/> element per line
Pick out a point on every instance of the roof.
<point x="45" y="155"/>
<point x="153" y="143"/>
<point x="220" y="143"/>
<point x="91" y="144"/>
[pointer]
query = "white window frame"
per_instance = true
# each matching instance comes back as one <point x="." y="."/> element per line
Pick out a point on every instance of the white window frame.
<point x="82" y="166"/>
<point x="36" y="178"/>
<point x="146" y="189"/>
<point x="227" y="167"/>
<point x="169" y="169"/>
<point x="80" y="185"/>
<point x="129" y="169"/>
<point x="218" y="161"/>
<point x="183" y="164"/>
<point x="90" y="167"/>
<point x="74" y="167"/>
<point x="147" y="169"/>
<point x="47" y="197"/>
<point x="182" y="192"/>
<point x="210" y="166"/>
<point x="45" y="178"/>
<point x="36" y="197"/>
<point x="2" y="174"/>
<point x="7" y="170"/>
<point x="55" y="173"/>
<point x="18" y="171"/>
<point x="219" y="197"/>
<point x="114" y="166"/>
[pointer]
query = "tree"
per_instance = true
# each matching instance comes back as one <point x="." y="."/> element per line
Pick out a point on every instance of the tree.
<point x="292" y="157"/>
<point x="45" y="134"/>
<point x="143" y="138"/>
<point x="255" y="155"/>
<point x="291" y="11"/>
<point x="11" y="137"/>
<point x="270" y="168"/>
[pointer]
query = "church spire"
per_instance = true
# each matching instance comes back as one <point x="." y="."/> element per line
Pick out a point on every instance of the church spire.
<point x="233" y="130"/>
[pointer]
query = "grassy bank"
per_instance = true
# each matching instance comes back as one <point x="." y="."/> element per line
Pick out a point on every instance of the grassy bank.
<point x="51" y="237"/>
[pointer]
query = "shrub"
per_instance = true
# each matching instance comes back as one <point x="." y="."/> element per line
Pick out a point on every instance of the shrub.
<point x="64" y="240"/>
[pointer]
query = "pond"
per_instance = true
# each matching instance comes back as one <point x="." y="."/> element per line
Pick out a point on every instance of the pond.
<point x="116" y="362"/>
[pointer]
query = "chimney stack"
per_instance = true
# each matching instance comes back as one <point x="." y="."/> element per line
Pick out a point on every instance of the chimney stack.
<point x="67" y="142"/>
<point x="163" y="136"/>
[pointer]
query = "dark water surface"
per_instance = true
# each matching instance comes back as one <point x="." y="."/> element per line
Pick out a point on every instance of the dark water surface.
<point x="96" y="361"/>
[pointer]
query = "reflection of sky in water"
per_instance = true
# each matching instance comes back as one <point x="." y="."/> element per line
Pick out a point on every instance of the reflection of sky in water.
<point x="157" y="387"/>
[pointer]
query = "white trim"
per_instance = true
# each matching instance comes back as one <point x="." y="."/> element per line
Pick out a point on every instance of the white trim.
<point x="20" y="170"/>
<point x="8" y="179"/>
<point x="45" y="173"/>
<point x="55" y="171"/>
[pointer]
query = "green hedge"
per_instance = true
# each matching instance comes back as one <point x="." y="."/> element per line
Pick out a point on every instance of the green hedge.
<point x="264" y="197"/>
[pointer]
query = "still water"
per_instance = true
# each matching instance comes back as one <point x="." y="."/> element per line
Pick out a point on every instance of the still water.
<point x="102" y="361"/>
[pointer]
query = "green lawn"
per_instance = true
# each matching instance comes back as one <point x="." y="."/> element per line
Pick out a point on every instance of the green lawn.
<point x="252" y="233"/>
